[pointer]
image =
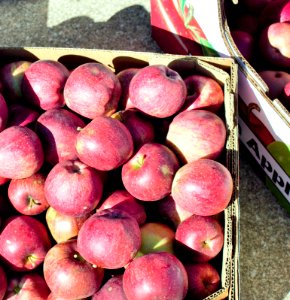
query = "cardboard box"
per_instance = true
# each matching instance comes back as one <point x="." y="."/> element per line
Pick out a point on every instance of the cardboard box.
<point x="223" y="70"/>
<point x="194" y="27"/>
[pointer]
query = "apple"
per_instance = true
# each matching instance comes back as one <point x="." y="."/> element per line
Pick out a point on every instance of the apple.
<point x="203" y="280"/>
<point x="3" y="113"/>
<point x="157" y="90"/>
<point x="274" y="12"/>
<point x="156" y="237"/>
<point x="149" y="173"/>
<point x="11" y="76"/>
<point x="22" y="115"/>
<point x="125" y="76"/>
<point x="196" y="134"/>
<point x="276" y="81"/>
<point x="63" y="227"/>
<point x="24" y="243"/>
<point x="73" y="188"/>
<point x="27" y="194"/>
<point x="27" y="286"/>
<point x="203" y="187"/>
<point x="140" y="126"/>
<point x="109" y="239"/>
<point x="285" y="97"/>
<point x="21" y="152"/>
<point x="274" y="44"/>
<point x="99" y="84"/>
<point x="199" y="238"/>
<point x="111" y="289"/>
<point x="171" y="212"/>
<point x="68" y="274"/>
<point x="155" y="276"/>
<point x="203" y="92"/>
<point x="57" y="129"/>
<point x="123" y="200"/>
<point x="3" y="283"/>
<point x="245" y="43"/>
<point x="104" y="144"/>
<point x="3" y="180"/>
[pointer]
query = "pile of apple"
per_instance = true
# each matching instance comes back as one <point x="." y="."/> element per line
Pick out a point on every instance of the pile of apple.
<point x="261" y="31"/>
<point x="112" y="185"/>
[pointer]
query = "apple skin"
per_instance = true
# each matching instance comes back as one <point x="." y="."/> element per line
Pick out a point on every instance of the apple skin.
<point x="57" y="129"/>
<point x="140" y="126"/>
<point x="21" y="152"/>
<point x="125" y="76"/>
<point x="123" y="200"/>
<point x="101" y="87"/>
<point x="3" y="282"/>
<point x="285" y="97"/>
<point x="104" y="144"/>
<point x="43" y="83"/>
<point x="24" y="243"/>
<point x="196" y="134"/>
<point x="111" y="289"/>
<point x="3" y="113"/>
<point x="244" y="42"/>
<point x="157" y="90"/>
<point x="109" y="239"/>
<point x="11" y="76"/>
<point x="199" y="238"/>
<point x="3" y="180"/>
<point x="203" y="92"/>
<point x="155" y="276"/>
<point x="73" y="188"/>
<point x="22" y="115"/>
<point x="203" y="187"/>
<point x="156" y="237"/>
<point x="63" y="227"/>
<point x="27" y="286"/>
<point x="274" y="44"/>
<point x="27" y="194"/>
<point x="149" y="173"/>
<point x="68" y="274"/>
<point x="203" y="280"/>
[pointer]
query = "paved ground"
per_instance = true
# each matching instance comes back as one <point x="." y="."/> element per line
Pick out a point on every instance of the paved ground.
<point x="264" y="259"/>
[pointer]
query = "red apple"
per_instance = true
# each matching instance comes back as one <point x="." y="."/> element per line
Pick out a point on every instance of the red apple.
<point x="140" y="126"/>
<point x="11" y="76"/>
<point x="197" y="134"/>
<point x="203" y="238"/>
<point x="245" y="43"/>
<point x="24" y="243"/>
<point x="3" y="113"/>
<point x="149" y="173"/>
<point x="156" y="237"/>
<point x="43" y="83"/>
<point x="155" y="276"/>
<point x="111" y="289"/>
<point x="157" y="90"/>
<point x="63" y="227"/>
<point x="57" y="129"/>
<point x="22" y="115"/>
<point x="101" y="87"/>
<point x="21" y="152"/>
<point x="203" y="92"/>
<point x="104" y="144"/>
<point x="203" y="280"/>
<point x="27" y="194"/>
<point x="125" y="76"/>
<point x="274" y="44"/>
<point x="3" y="180"/>
<point x="109" y="239"/>
<point x="203" y="187"/>
<point x="123" y="200"/>
<point x="68" y="275"/>
<point x="27" y="286"/>
<point x="3" y="283"/>
<point x="285" y="97"/>
<point x="73" y="188"/>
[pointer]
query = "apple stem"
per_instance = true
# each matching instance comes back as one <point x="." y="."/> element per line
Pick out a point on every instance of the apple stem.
<point x="79" y="257"/>
<point x="32" y="201"/>
<point x="32" y="260"/>
<point x="140" y="161"/>
<point x="17" y="289"/>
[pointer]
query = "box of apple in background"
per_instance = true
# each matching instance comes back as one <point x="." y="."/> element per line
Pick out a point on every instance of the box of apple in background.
<point x="202" y="28"/>
<point x="222" y="70"/>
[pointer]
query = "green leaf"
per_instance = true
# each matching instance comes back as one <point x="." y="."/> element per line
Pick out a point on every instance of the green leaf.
<point x="207" y="48"/>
